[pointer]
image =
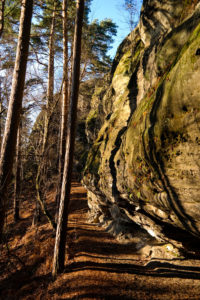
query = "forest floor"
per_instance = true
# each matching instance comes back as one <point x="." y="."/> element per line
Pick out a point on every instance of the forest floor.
<point x="97" y="266"/>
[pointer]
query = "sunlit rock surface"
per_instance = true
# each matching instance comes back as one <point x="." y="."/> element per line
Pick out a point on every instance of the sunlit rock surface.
<point x="144" y="165"/>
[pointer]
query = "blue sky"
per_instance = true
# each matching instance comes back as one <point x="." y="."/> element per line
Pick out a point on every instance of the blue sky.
<point x="101" y="9"/>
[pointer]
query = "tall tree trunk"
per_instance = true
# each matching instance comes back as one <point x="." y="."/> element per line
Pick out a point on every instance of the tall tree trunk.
<point x="2" y="6"/>
<point x="15" y="104"/>
<point x="0" y="111"/>
<point x="50" y="84"/>
<point x="70" y="69"/>
<point x="65" y="102"/>
<point x="17" y="186"/>
<point x="48" y="113"/>
<point x="59" y="250"/>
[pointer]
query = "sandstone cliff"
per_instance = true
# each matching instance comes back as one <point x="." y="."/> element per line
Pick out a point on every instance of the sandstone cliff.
<point x="144" y="164"/>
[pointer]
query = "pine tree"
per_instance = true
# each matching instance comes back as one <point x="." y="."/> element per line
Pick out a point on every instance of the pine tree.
<point x="15" y="105"/>
<point x="98" y="37"/>
<point x="59" y="250"/>
<point x="65" y="100"/>
<point x="48" y="112"/>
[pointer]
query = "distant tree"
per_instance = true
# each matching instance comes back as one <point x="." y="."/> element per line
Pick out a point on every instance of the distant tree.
<point x="130" y="7"/>
<point x="15" y="105"/>
<point x="46" y="34"/>
<point x="98" y="37"/>
<point x="59" y="250"/>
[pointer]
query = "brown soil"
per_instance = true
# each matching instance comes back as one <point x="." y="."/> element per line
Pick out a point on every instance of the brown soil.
<point x="97" y="266"/>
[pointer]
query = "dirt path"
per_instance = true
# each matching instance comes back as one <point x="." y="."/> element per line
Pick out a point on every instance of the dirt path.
<point x="97" y="266"/>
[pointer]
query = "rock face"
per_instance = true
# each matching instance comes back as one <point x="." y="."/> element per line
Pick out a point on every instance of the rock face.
<point x="144" y="165"/>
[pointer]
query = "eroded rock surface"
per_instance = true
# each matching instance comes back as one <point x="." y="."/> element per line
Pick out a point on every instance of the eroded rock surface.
<point x="144" y="165"/>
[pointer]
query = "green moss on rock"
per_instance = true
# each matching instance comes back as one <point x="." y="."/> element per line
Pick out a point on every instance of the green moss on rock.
<point x="146" y="152"/>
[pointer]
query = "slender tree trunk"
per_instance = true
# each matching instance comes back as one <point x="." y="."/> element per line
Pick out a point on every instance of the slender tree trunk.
<point x="49" y="107"/>
<point x="59" y="250"/>
<point x="0" y="111"/>
<point x="37" y="214"/>
<point x="65" y="102"/>
<point x="17" y="186"/>
<point x="15" y="104"/>
<point x="50" y="85"/>
<point x="2" y="6"/>
<point x="70" y="70"/>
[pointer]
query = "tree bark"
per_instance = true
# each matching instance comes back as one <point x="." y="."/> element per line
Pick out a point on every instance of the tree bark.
<point x="0" y="111"/>
<point x="65" y="102"/>
<point x="15" y="104"/>
<point x="2" y="6"/>
<point x="17" y="176"/>
<point x="59" y="250"/>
